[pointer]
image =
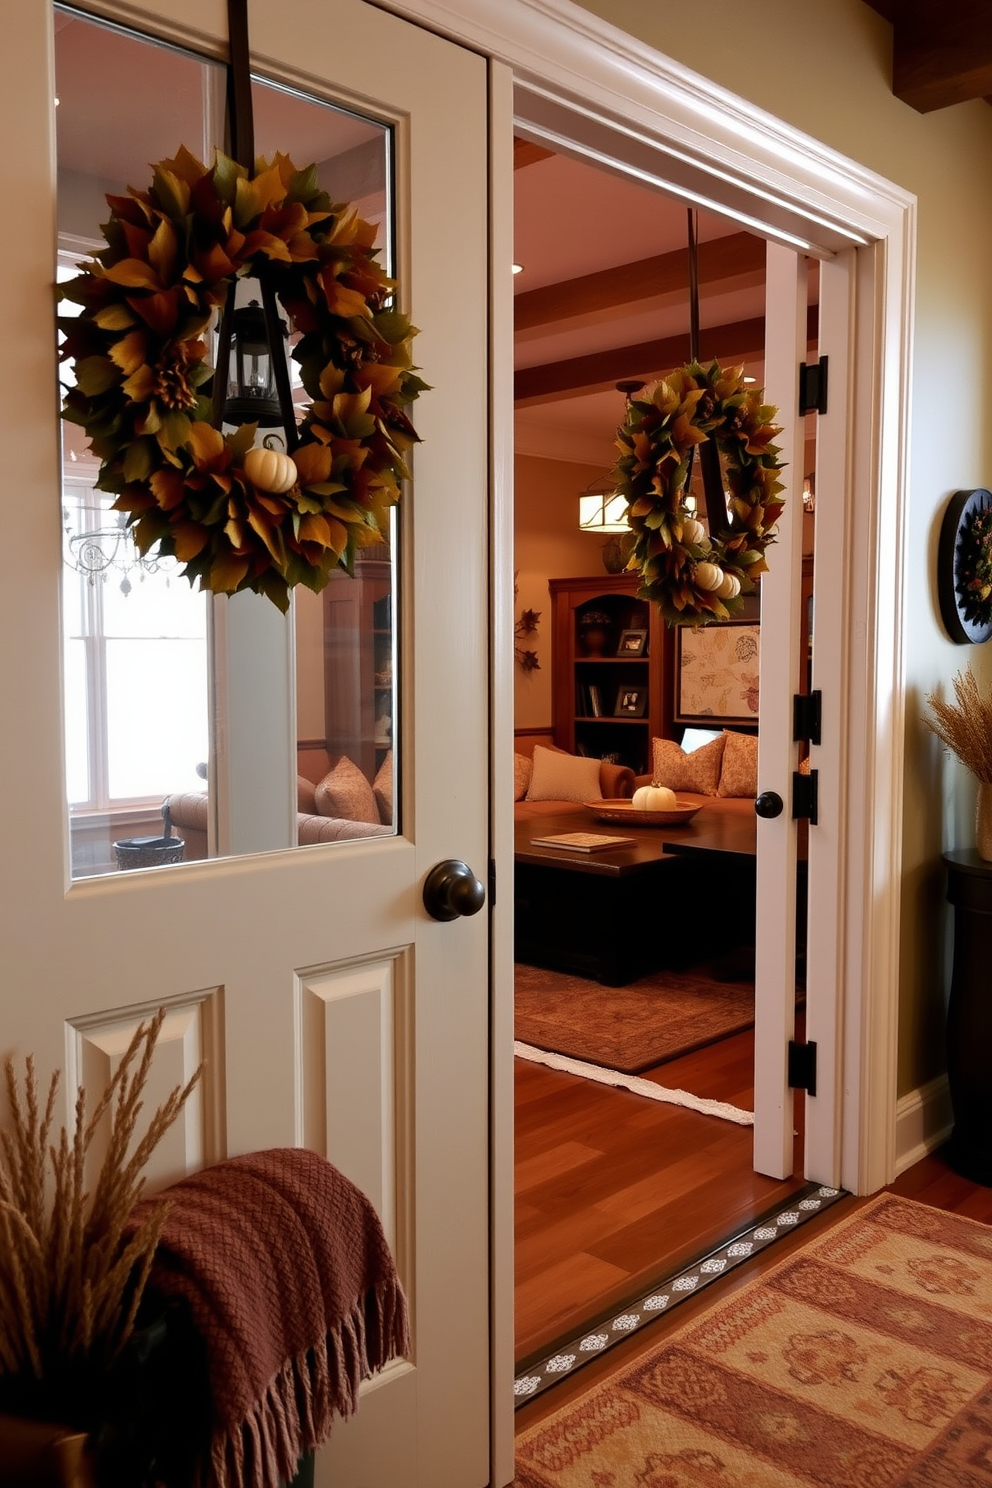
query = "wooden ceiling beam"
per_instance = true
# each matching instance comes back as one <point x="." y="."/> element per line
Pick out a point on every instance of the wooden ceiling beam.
<point x="646" y="278"/>
<point x="600" y="371"/>
<point x="940" y="55"/>
<point x="526" y="153"/>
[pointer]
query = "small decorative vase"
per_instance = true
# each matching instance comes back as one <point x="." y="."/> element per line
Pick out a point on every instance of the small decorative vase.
<point x="594" y="641"/>
<point x="983" y="822"/>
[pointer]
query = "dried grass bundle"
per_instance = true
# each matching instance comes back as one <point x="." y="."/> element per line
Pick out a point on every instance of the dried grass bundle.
<point x="966" y="728"/>
<point x="70" y="1282"/>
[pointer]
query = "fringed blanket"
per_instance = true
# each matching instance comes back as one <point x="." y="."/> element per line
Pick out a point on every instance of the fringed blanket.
<point x="285" y="1270"/>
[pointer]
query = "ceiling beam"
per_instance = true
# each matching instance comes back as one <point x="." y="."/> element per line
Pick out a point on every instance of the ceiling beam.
<point x="526" y="153"/>
<point x="599" y="371"/>
<point x="940" y="55"/>
<point x="646" y="278"/>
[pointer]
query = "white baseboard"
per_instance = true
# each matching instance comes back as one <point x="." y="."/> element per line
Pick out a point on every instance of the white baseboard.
<point x="923" y="1121"/>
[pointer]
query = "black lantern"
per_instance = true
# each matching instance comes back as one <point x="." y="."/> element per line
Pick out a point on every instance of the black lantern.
<point x="252" y="395"/>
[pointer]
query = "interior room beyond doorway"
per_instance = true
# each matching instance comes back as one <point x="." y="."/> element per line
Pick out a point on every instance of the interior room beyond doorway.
<point x="599" y="1210"/>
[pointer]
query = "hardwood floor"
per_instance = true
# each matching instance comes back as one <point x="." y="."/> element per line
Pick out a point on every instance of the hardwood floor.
<point x="929" y="1181"/>
<point x="613" y="1191"/>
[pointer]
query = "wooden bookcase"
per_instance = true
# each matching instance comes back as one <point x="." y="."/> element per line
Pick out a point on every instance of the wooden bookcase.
<point x="587" y="671"/>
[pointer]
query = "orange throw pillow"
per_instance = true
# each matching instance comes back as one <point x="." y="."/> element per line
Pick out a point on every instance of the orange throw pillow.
<point x="698" y="772"/>
<point x="563" y="777"/>
<point x="739" y="772"/>
<point x="382" y="788"/>
<point x="345" y="792"/>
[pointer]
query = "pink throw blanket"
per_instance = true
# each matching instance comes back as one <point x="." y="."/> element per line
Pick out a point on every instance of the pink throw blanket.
<point x="288" y="1278"/>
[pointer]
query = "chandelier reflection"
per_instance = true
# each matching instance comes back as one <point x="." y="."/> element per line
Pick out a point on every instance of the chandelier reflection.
<point x="99" y="552"/>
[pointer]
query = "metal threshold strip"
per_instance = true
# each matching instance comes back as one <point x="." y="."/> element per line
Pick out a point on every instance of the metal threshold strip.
<point x="597" y="1338"/>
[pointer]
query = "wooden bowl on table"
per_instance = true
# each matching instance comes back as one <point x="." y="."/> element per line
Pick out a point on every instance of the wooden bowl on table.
<point x="623" y="811"/>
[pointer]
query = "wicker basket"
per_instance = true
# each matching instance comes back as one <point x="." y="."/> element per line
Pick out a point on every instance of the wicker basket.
<point x="148" y="852"/>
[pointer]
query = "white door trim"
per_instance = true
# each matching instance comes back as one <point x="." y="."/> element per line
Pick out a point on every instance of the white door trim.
<point x="582" y="80"/>
<point x="501" y="610"/>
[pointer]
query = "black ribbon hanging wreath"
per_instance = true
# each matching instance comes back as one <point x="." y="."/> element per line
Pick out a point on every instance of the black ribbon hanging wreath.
<point x="149" y="400"/>
<point x="696" y="577"/>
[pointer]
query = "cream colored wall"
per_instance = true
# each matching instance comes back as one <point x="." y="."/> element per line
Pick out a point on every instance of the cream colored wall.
<point x="824" y="66"/>
<point x="547" y="545"/>
<point x="309" y="612"/>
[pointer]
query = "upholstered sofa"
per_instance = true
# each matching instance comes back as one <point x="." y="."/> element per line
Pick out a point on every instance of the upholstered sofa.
<point x="721" y="774"/>
<point x="530" y="799"/>
<point x="335" y="803"/>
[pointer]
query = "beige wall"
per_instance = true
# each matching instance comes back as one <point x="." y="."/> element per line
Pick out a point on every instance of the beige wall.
<point x="824" y="66"/>
<point x="547" y="545"/>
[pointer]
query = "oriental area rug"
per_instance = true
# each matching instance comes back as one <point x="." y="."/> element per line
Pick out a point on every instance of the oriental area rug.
<point x="629" y="1028"/>
<point x="864" y="1360"/>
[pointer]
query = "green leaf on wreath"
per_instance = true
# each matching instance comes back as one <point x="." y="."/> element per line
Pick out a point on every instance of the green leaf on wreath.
<point x="139" y="460"/>
<point x="226" y="174"/>
<point x="96" y="375"/>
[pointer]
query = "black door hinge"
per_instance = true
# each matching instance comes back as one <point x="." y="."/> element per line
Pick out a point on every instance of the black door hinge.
<point x="807" y="710"/>
<point x="805" y="796"/>
<point x="492" y="883"/>
<point x="813" y="386"/>
<point x="802" y="1067"/>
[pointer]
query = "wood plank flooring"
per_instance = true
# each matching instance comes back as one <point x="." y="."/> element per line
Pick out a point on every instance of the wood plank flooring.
<point x="613" y="1190"/>
<point x="929" y="1181"/>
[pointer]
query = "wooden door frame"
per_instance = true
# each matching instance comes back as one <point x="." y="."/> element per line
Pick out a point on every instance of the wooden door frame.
<point x="587" y="87"/>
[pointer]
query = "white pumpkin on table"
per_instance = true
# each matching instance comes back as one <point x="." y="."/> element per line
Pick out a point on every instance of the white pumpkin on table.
<point x="654" y="798"/>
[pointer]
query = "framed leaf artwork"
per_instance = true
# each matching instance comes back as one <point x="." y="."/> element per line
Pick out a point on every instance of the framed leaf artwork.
<point x="716" y="673"/>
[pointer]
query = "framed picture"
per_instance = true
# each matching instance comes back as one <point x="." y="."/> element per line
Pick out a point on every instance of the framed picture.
<point x="716" y="673"/>
<point x="632" y="643"/>
<point x="631" y="702"/>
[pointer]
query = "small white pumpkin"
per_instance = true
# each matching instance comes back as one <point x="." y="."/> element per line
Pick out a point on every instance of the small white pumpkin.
<point x="653" y="798"/>
<point x="730" y="588"/>
<point x="693" y="532"/>
<point x="270" y="470"/>
<point x="707" y="576"/>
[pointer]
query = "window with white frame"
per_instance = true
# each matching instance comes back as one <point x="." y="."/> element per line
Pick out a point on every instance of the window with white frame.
<point x="135" y="663"/>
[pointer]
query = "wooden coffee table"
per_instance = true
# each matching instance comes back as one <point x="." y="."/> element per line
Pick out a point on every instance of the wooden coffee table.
<point x="618" y="914"/>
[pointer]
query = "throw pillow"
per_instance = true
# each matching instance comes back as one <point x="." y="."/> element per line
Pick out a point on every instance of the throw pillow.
<point x="739" y="770"/>
<point x="382" y="788"/>
<point x="345" y="792"/>
<point x="563" y="777"/>
<point x="698" y="772"/>
<point x="305" y="800"/>
<point x="522" y="768"/>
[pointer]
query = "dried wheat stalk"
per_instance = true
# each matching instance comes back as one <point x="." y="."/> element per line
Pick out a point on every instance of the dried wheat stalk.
<point x="966" y="728"/>
<point x="70" y="1278"/>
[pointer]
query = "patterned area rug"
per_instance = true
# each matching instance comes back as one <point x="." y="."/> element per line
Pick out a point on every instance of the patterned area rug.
<point x="628" y="1028"/>
<point x="862" y="1361"/>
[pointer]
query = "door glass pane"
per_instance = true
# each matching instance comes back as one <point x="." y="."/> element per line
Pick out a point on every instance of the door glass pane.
<point x="346" y="700"/>
<point x="137" y="690"/>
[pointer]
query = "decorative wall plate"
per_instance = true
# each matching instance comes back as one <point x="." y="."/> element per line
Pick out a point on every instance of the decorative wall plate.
<point x="964" y="567"/>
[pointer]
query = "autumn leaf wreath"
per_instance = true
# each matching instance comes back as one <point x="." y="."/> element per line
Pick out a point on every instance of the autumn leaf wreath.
<point x="695" y="577"/>
<point x="142" y="374"/>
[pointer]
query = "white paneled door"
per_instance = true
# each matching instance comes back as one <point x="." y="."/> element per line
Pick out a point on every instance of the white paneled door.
<point x="330" y="1009"/>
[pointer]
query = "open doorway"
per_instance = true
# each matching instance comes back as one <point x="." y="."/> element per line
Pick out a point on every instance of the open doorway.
<point x="615" y="1189"/>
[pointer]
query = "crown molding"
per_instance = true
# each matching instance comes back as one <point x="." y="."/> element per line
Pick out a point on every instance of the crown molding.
<point x="579" y="79"/>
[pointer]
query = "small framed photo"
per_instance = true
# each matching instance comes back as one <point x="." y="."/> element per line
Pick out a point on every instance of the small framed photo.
<point x="632" y="643"/>
<point x="632" y="702"/>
